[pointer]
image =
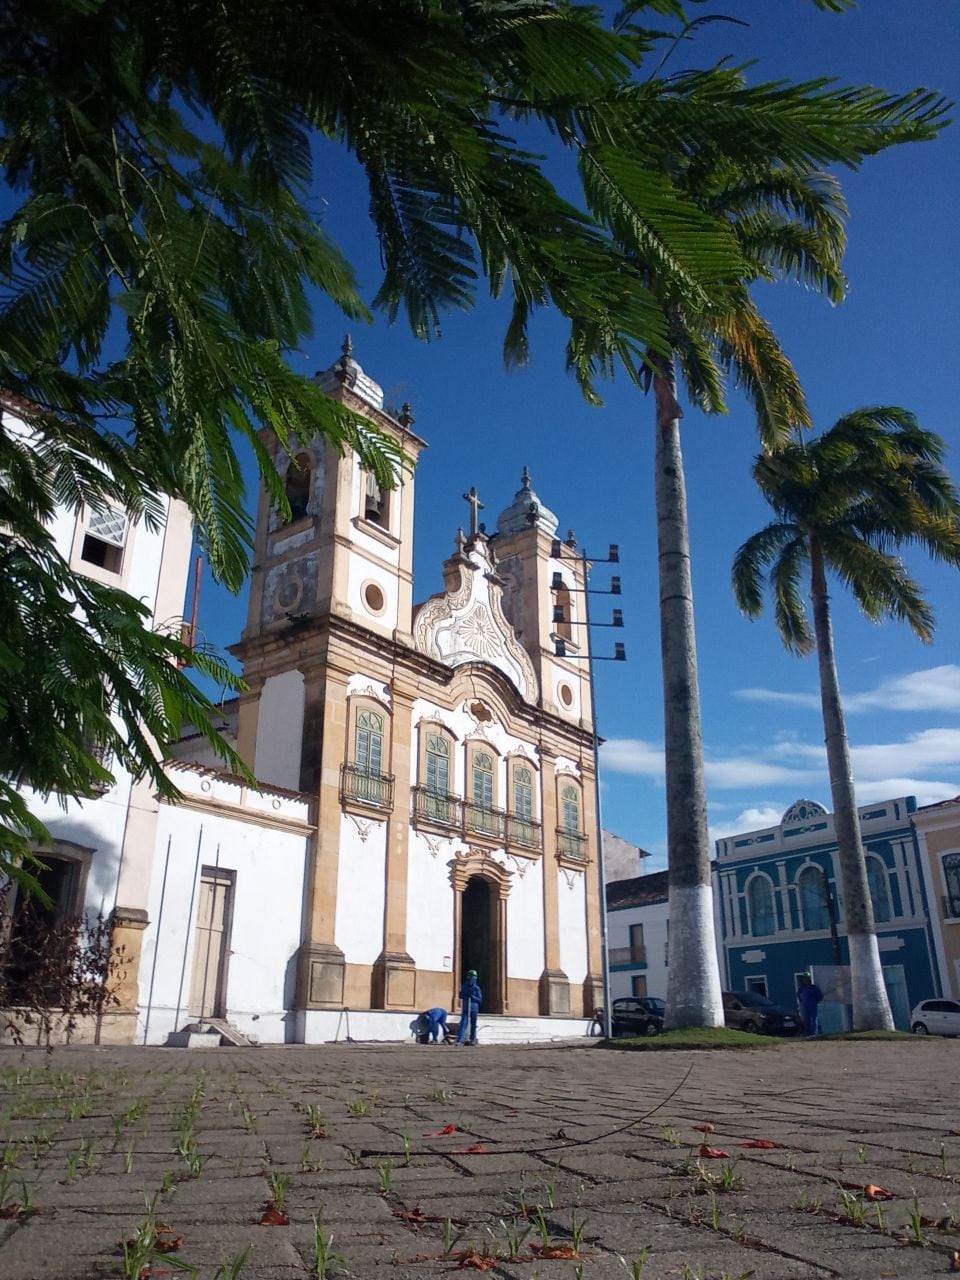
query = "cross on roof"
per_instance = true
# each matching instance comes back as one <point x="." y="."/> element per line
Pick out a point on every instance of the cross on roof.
<point x="476" y="506"/>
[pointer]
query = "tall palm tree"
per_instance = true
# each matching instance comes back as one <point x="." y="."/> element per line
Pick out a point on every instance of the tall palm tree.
<point x="750" y="159"/>
<point x="844" y="503"/>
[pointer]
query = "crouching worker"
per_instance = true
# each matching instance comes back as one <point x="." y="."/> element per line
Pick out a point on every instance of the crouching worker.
<point x="437" y="1022"/>
<point x="471" y="998"/>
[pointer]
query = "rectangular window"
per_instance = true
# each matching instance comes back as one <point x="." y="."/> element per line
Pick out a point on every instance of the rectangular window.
<point x="638" y="952"/>
<point x="758" y="983"/>
<point x="104" y="540"/>
<point x="639" y="984"/>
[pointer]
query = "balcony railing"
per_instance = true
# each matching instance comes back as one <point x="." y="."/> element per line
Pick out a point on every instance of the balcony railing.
<point x="433" y="808"/>
<point x="628" y="955"/>
<point x="524" y="832"/>
<point x="951" y="907"/>
<point x="359" y="786"/>
<point x="571" y="844"/>
<point x="481" y="821"/>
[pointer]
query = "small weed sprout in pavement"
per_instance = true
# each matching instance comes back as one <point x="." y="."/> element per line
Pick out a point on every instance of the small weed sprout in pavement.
<point x="326" y="1262"/>
<point x="358" y="1107"/>
<point x="915" y="1221"/>
<point x="384" y="1170"/>
<point x="516" y="1236"/>
<point x="316" y="1121"/>
<point x="450" y="1238"/>
<point x="634" y="1266"/>
<point x="278" y="1183"/>
<point x="230" y="1270"/>
<point x="852" y="1208"/>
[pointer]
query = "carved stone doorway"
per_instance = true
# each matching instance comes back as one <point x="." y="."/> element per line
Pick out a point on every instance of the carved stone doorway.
<point x="480" y="887"/>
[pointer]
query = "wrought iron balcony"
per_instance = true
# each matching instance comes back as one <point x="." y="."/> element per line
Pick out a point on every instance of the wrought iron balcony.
<point x="434" y="808"/>
<point x="951" y="907"/>
<point x="481" y="821"/>
<point x="628" y="955"/>
<point x="572" y="845"/>
<point x="524" y="832"/>
<point x="361" y="787"/>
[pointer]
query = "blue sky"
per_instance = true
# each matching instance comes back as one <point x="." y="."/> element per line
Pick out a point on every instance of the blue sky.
<point x="893" y="341"/>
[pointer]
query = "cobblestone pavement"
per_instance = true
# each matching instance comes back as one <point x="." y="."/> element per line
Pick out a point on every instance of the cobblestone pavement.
<point x="421" y="1161"/>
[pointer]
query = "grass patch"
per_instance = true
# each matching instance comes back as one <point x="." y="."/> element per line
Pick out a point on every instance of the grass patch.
<point x="694" y="1038"/>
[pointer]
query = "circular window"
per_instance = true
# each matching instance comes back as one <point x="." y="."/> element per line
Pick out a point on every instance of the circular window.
<point x="566" y="694"/>
<point x="374" y="598"/>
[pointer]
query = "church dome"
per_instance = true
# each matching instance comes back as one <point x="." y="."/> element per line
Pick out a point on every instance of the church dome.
<point x="346" y="372"/>
<point x="526" y="510"/>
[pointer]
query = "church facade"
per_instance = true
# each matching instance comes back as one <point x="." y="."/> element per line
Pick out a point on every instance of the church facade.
<point x="426" y="789"/>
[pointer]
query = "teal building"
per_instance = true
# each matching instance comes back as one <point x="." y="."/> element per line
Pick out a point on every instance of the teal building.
<point x="781" y="913"/>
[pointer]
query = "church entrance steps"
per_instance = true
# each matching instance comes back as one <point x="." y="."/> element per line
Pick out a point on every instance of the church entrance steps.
<point x="324" y="1026"/>
<point x="209" y="1033"/>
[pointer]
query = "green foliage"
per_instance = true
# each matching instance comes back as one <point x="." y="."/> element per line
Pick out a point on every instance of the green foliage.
<point x="871" y="485"/>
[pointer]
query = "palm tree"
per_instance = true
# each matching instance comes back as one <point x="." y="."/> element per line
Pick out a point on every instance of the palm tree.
<point x="748" y="159"/>
<point x="844" y="503"/>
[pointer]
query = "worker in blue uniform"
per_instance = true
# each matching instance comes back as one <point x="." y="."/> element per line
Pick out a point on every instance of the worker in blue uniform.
<point x="471" y="998"/>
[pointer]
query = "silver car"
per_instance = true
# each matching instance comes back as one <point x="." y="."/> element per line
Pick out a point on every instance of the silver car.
<point x="936" y="1018"/>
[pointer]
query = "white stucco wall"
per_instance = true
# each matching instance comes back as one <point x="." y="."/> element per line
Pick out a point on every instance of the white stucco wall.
<point x="280" y="730"/>
<point x="573" y="929"/>
<point x="430" y="901"/>
<point x="269" y="866"/>
<point x="525" y="945"/>
<point x="654" y="920"/>
<point x="361" y="889"/>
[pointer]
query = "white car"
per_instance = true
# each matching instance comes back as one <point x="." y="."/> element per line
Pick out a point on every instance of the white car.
<point x="936" y="1018"/>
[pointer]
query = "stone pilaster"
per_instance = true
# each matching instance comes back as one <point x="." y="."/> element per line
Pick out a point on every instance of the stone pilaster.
<point x="394" y="972"/>
<point x="554" y="985"/>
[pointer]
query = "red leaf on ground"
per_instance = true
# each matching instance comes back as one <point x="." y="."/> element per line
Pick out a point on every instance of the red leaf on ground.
<point x="705" y="1128"/>
<point x="873" y="1192"/>
<point x="274" y="1218"/>
<point x="712" y="1153"/>
<point x="415" y="1217"/>
<point x="442" y="1133"/>
<point x="762" y="1144"/>
<point x="474" y="1261"/>
<point x="554" y="1251"/>
<point x="470" y="1151"/>
<point x="166" y="1242"/>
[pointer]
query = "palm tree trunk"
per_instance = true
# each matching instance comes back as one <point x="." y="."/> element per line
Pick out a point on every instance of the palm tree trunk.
<point x="693" y="981"/>
<point x="871" y="1008"/>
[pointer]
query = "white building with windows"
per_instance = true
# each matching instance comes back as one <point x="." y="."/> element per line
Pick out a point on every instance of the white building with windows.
<point x="426" y="796"/>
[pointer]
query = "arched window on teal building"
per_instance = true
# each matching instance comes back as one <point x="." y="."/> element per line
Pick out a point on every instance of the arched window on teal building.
<point x="879" y="890"/>
<point x="812" y="886"/>
<point x="763" y="920"/>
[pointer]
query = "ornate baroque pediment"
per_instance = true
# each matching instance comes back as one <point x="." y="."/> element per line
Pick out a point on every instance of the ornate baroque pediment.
<point x="466" y="623"/>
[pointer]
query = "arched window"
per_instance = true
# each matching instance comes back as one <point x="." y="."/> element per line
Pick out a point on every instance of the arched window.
<point x="436" y="777"/>
<point x="521" y="825"/>
<point x="879" y="890"/>
<point x="760" y="905"/>
<point x="951" y="875"/>
<point x="297" y="485"/>
<point x="814" y="908"/>
<point x="364" y="779"/>
<point x="570" y="809"/>
<point x="570" y="838"/>
<point x="480" y="813"/>
<point x="522" y="791"/>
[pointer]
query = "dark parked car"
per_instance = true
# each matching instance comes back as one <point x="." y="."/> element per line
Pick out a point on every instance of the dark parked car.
<point x="636" y="1016"/>
<point x="749" y="1011"/>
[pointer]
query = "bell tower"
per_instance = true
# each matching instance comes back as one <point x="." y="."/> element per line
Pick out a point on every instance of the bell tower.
<point x="346" y="552"/>
<point x="543" y="599"/>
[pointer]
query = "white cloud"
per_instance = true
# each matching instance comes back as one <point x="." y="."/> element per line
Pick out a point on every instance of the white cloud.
<point x="631" y="755"/>
<point x="926" y="790"/>
<point x="811" y="700"/>
<point x="932" y="749"/>
<point x="754" y="819"/>
<point x="934" y="689"/>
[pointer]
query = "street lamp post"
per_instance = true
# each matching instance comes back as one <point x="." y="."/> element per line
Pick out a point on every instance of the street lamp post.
<point x="618" y="655"/>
